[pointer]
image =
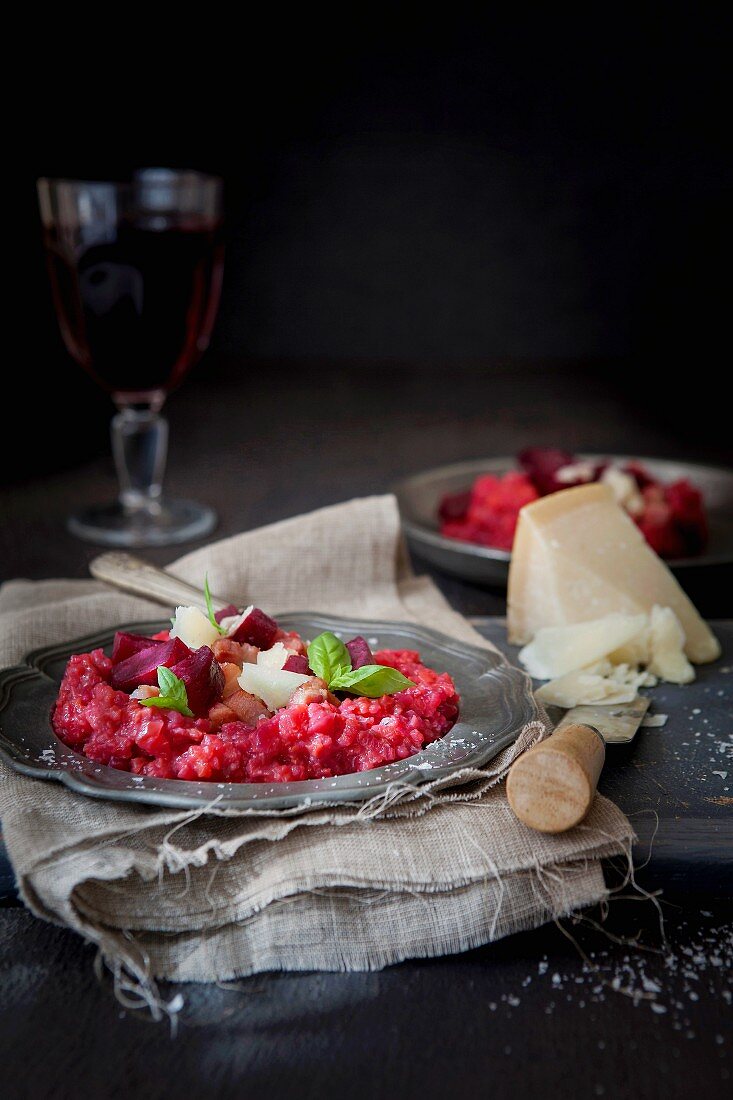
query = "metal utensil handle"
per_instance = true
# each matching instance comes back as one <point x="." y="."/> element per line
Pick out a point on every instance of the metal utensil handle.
<point x="133" y="575"/>
<point x="551" y="787"/>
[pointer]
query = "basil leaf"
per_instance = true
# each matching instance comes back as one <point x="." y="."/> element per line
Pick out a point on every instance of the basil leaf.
<point x="330" y="659"/>
<point x="373" y="681"/>
<point x="173" y="695"/>
<point x="328" y="655"/>
<point x="168" y="682"/>
<point x="165" y="703"/>
<point x="210" y="606"/>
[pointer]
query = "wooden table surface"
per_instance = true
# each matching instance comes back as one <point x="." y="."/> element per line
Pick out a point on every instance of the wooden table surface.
<point x="533" y="1013"/>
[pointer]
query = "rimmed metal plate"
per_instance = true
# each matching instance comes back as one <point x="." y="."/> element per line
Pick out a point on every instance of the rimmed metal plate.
<point x="496" y="701"/>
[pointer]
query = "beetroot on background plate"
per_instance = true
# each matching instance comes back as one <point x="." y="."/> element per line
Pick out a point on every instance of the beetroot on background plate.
<point x="542" y="464"/>
<point x="126" y="645"/>
<point x="257" y="628"/>
<point x="688" y="510"/>
<point x="226" y="612"/>
<point x="671" y="517"/>
<point x="454" y="506"/>
<point x="142" y="667"/>
<point x="296" y="662"/>
<point x="491" y="519"/>
<point x="203" y="677"/>
<point x="360" y="652"/>
<point x="640" y="474"/>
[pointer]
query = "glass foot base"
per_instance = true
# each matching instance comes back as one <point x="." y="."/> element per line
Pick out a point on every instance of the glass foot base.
<point x="165" y="523"/>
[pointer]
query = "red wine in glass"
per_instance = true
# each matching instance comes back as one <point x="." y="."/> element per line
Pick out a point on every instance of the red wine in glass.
<point x="136" y="272"/>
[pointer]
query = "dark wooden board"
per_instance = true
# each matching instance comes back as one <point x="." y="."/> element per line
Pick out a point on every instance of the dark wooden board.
<point x="523" y="1017"/>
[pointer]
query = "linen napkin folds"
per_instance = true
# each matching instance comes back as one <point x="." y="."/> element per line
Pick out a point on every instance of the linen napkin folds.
<point x="200" y="897"/>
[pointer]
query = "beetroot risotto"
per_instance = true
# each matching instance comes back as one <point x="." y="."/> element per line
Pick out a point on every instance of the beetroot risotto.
<point x="232" y="697"/>
<point x="671" y="517"/>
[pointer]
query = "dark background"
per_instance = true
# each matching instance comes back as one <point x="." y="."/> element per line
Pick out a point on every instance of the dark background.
<point x="466" y="194"/>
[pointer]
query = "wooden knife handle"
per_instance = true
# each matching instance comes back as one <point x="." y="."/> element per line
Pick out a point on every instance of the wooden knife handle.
<point x="551" y="787"/>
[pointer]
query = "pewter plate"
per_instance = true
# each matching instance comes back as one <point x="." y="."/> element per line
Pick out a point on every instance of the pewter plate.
<point x="420" y="495"/>
<point x="496" y="701"/>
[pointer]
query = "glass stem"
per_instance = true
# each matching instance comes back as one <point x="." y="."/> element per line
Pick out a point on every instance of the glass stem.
<point x="140" y="447"/>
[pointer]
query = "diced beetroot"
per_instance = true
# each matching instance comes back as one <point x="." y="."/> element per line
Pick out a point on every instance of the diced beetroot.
<point x="297" y="663"/>
<point x="125" y="645"/>
<point x="657" y="526"/>
<point x="641" y="475"/>
<point x="226" y="612"/>
<point x="542" y="464"/>
<point x="454" y="506"/>
<point x="360" y="652"/>
<point x="257" y="628"/>
<point x="673" y="520"/>
<point x="142" y="667"/>
<point x="203" y="677"/>
<point x="688" y="510"/>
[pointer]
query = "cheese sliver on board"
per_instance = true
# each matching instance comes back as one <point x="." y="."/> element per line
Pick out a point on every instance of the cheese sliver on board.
<point x="557" y="650"/>
<point x="578" y="556"/>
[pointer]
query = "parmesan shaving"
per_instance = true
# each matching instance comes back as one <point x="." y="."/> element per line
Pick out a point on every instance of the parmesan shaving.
<point x="584" y="687"/>
<point x="567" y="656"/>
<point x="557" y="650"/>
<point x="667" y="643"/>
<point x="600" y="683"/>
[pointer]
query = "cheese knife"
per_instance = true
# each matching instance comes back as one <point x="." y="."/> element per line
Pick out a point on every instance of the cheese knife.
<point x="551" y="787"/>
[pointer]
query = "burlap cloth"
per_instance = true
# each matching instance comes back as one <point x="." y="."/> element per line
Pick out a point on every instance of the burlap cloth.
<point x="165" y="893"/>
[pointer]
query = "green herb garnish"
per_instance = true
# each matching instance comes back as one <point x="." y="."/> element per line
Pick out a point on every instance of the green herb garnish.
<point x="173" y="695"/>
<point x="210" y="606"/>
<point x="372" y="681"/>
<point x="329" y="658"/>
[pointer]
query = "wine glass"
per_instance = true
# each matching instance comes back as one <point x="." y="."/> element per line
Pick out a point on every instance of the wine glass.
<point x="136" y="272"/>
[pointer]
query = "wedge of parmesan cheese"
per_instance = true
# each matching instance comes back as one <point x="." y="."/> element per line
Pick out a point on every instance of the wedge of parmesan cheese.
<point x="578" y="556"/>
